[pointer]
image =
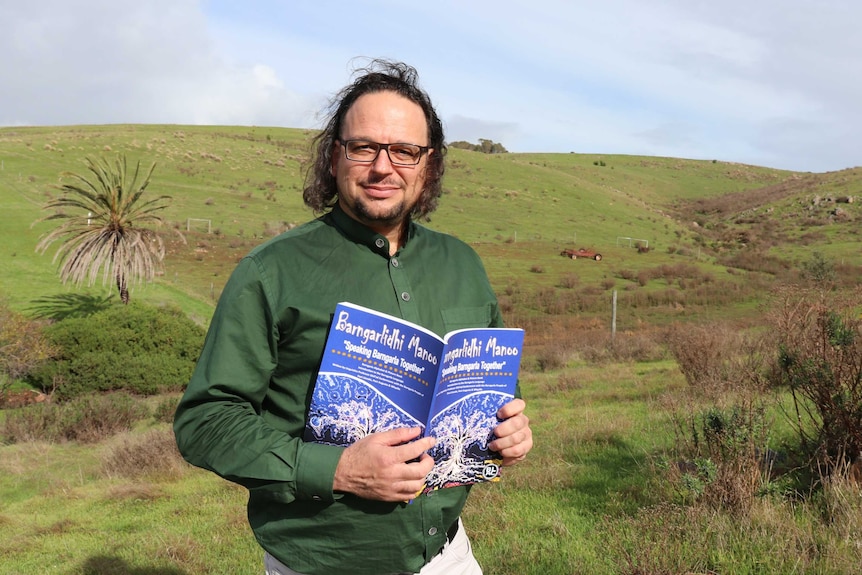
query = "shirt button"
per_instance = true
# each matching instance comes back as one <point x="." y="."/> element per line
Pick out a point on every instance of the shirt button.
<point x="405" y="296"/>
<point x="394" y="262"/>
<point x="432" y="531"/>
<point x="379" y="242"/>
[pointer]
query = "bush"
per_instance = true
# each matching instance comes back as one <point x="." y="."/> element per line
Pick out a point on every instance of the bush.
<point x="136" y="348"/>
<point x="552" y="357"/>
<point x="23" y="346"/>
<point x="715" y="358"/>
<point x="164" y="411"/>
<point x="819" y="361"/>
<point x="86" y="419"/>
<point x="148" y="454"/>
<point x="724" y="459"/>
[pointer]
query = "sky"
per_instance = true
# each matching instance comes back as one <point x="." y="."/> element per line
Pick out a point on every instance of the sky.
<point x="774" y="83"/>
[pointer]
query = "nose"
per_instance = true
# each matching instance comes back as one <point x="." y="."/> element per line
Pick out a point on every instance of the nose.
<point x="382" y="163"/>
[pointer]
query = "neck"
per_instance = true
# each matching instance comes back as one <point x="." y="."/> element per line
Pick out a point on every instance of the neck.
<point x="394" y="235"/>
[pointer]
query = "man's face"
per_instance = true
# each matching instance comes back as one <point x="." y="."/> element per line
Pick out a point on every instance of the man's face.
<point x="380" y="194"/>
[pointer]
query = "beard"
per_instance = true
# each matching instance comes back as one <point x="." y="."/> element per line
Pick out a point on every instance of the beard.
<point x="377" y="213"/>
<point x="371" y="215"/>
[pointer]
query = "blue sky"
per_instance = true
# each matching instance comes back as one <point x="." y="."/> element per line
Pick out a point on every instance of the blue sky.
<point x="768" y="82"/>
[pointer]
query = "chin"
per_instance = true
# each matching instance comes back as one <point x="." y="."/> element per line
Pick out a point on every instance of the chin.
<point x="373" y="212"/>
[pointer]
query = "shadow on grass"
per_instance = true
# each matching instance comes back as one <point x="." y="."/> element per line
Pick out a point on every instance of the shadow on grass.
<point x="103" y="565"/>
<point x="66" y="306"/>
<point x="617" y="474"/>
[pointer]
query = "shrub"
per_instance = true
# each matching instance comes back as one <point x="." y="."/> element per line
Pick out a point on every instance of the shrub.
<point x="152" y="453"/>
<point x="23" y="346"/>
<point x="819" y="361"/>
<point x="137" y="348"/>
<point x="724" y="460"/>
<point x="86" y="419"/>
<point x="164" y="411"/>
<point x="552" y="357"/>
<point x="569" y="281"/>
<point x="733" y="440"/>
<point x="716" y="357"/>
<point x="819" y="271"/>
<point x="637" y="346"/>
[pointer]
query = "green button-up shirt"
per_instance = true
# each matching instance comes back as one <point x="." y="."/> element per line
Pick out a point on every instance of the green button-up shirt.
<point x="244" y="411"/>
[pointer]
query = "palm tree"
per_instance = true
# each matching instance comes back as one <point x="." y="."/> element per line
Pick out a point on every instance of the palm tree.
<point x="104" y="227"/>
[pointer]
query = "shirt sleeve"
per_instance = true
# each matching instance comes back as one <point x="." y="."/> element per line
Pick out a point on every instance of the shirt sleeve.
<point x="219" y="423"/>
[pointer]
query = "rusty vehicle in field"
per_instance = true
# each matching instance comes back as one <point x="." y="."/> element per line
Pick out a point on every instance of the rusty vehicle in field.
<point x="581" y="253"/>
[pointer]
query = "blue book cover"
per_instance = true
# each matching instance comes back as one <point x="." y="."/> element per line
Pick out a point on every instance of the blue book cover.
<point x="380" y="372"/>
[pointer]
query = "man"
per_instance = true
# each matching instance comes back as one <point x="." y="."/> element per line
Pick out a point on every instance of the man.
<point x="321" y="509"/>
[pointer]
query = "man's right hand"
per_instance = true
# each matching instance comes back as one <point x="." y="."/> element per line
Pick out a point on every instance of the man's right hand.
<point x="384" y="466"/>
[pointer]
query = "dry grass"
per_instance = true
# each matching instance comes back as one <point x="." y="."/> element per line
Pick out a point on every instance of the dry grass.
<point x="135" y="492"/>
<point x="153" y="453"/>
<point x="87" y="419"/>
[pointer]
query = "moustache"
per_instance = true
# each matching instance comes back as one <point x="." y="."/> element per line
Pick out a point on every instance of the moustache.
<point x="383" y="181"/>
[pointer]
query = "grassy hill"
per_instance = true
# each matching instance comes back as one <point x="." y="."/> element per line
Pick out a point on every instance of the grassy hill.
<point x="608" y="487"/>
<point x="233" y="187"/>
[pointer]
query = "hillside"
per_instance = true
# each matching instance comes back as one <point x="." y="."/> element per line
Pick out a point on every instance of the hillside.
<point x="233" y="187"/>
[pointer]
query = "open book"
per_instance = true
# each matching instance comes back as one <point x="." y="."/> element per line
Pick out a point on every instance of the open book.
<point x="381" y="372"/>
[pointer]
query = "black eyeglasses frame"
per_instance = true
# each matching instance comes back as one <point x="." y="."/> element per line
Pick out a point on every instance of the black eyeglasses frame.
<point x="345" y="143"/>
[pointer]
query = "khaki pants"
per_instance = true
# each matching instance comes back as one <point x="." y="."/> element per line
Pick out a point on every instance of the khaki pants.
<point x="456" y="558"/>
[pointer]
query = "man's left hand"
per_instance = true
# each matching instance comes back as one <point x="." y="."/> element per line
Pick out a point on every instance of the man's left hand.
<point x="514" y="436"/>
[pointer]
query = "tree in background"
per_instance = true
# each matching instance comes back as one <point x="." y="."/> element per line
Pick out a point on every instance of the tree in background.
<point x="104" y="228"/>
<point x="485" y="146"/>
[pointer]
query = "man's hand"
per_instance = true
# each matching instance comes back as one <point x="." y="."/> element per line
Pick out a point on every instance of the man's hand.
<point x="514" y="436"/>
<point x="383" y="465"/>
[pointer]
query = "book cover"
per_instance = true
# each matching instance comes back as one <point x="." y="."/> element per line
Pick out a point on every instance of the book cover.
<point x="380" y="372"/>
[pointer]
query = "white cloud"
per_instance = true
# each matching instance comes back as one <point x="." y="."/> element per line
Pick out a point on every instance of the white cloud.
<point x="774" y="81"/>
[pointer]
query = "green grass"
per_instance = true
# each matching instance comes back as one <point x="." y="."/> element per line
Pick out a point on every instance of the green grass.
<point x="518" y="210"/>
<point x="60" y="514"/>
<point x="89" y="524"/>
<point x="592" y="498"/>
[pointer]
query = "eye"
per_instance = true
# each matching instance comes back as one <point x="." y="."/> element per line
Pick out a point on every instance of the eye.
<point x="361" y="148"/>
<point x="404" y="152"/>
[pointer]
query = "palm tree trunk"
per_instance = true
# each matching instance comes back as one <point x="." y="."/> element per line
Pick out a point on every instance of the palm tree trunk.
<point x="124" y="291"/>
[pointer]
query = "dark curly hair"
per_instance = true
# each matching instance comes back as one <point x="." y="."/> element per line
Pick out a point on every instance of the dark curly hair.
<point x="321" y="191"/>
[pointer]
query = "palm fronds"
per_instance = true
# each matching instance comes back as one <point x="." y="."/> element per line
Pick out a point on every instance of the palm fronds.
<point x="104" y="226"/>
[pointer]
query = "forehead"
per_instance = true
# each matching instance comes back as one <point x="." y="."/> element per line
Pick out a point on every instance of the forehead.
<point x="385" y="117"/>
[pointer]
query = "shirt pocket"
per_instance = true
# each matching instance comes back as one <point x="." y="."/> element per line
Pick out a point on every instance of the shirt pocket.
<point x="464" y="317"/>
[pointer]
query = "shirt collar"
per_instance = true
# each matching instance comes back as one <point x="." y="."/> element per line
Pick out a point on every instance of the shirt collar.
<point x="364" y="235"/>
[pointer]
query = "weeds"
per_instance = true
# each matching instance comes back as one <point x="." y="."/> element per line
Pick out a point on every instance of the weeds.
<point x="153" y="453"/>
<point x="86" y="419"/>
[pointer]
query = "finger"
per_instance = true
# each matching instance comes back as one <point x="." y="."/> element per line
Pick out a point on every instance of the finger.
<point x="514" y="444"/>
<point x="399" y="435"/>
<point x="417" y="470"/>
<point x="414" y="449"/>
<point x="414" y="482"/>
<point x="518" y="451"/>
<point x="511" y="425"/>
<point x="511" y="408"/>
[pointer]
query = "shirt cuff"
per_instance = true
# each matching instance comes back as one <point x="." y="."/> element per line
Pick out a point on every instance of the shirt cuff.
<point x="316" y="472"/>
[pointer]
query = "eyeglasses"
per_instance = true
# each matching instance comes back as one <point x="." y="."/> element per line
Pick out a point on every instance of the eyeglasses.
<point x="367" y="151"/>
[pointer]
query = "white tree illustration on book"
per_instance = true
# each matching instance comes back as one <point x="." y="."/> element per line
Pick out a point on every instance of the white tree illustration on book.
<point x="348" y="409"/>
<point x="463" y="431"/>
